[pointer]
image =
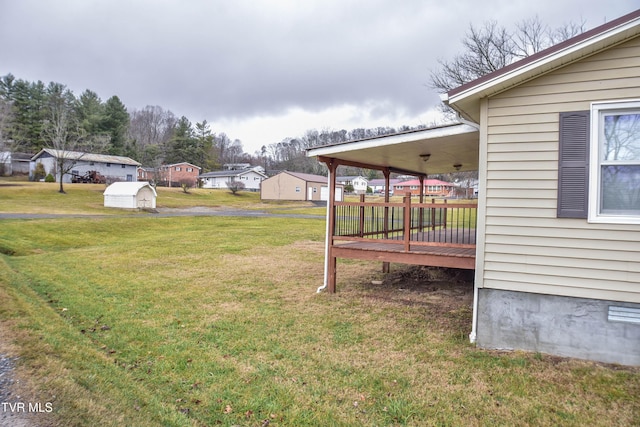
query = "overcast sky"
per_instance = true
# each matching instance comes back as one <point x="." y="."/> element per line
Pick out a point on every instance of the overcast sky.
<point x="261" y="71"/>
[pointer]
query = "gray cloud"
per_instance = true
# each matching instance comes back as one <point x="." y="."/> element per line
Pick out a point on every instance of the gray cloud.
<point x="229" y="60"/>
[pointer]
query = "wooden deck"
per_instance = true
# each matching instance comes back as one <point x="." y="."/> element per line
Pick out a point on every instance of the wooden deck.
<point x="431" y="234"/>
<point x="440" y="248"/>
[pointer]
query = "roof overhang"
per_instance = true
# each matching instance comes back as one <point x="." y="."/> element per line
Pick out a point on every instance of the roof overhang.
<point x="440" y="149"/>
<point x="465" y="99"/>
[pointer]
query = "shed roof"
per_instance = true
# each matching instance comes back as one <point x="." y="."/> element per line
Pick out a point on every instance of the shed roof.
<point x="87" y="157"/>
<point x="127" y="188"/>
<point x="308" y="177"/>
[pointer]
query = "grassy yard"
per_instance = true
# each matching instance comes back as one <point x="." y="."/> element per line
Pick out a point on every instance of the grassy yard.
<point x="201" y="321"/>
<point x="43" y="198"/>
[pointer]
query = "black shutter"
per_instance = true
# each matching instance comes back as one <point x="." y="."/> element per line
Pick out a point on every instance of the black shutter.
<point x="573" y="166"/>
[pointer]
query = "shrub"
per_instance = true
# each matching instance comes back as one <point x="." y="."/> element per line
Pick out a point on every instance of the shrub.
<point x="235" y="186"/>
<point x="39" y="172"/>
<point x="187" y="184"/>
<point x="49" y="178"/>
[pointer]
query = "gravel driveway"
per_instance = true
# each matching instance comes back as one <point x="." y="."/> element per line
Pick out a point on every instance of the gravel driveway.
<point x="10" y="413"/>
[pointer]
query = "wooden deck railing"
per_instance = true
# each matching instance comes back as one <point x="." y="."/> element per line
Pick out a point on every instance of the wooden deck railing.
<point x="426" y="224"/>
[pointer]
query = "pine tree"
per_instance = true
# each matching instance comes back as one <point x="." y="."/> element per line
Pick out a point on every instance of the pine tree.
<point x="115" y="123"/>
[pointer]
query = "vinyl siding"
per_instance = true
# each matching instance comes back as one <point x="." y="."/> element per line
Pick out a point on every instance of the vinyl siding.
<point x="527" y="248"/>
<point x="283" y="187"/>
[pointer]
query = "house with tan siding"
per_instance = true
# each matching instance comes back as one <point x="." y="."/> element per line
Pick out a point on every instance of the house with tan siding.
<point x="557" y="238"/>
<point x="297" y="186"/>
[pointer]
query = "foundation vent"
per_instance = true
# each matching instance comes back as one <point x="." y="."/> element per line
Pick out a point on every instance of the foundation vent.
<point x="624" y="314"/>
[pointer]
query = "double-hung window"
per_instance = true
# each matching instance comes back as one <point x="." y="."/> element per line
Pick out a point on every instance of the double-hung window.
<point x="614" y="175"/>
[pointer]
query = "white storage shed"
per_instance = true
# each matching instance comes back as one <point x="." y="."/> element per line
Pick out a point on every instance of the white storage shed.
<point x="130" y="195"/>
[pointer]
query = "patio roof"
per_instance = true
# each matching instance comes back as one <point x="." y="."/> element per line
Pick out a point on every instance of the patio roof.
<point x="435" y="150"/>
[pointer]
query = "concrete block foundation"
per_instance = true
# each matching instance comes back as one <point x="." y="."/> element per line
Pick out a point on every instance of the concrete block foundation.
<point x="563" y="326"/>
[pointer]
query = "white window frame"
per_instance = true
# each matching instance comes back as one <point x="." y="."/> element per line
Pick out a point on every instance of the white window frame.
<point x="598" y="110"/>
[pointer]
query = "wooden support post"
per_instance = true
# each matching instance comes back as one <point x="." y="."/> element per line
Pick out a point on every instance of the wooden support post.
<point x="332" y="261"/>
<point x="387" y="173"/>
<point x="331" y="278"/>
<point x="386" y="267"/>
<point x="433" y="214"/>
<point x="421" y="210"/>
<point x="407" y="222"/>
<point x="444" y="215"/>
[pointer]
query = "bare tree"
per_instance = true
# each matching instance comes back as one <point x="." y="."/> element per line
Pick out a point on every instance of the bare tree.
<point x="63" y="133"/>
<point x="491" y="47"/>
<point x="151" y="128"/>
<point x="5" y="144"/>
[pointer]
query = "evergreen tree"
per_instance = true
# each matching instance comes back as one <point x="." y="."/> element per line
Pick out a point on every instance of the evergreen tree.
<point x="205" y="143"/>
<point x="183" y="147"/>
<point x="115" y="123"/>
<point x="91" y="112"/>
<point x="27" y="102"/>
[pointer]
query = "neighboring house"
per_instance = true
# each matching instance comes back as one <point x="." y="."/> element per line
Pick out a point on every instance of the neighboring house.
<point x="12" y="163"/>
<point x="432" y="188"/>
<point x="297" y="186"/>
<point x="236" y="166"/>
<point x="173" y="175"/>
<point x="557" y="234"/>
<point x="130" y="195"/>
<point x="114" y="168"/>
<point x="251" y="178"/>
<point x="378" y="186"/>
<point x="146" y="174"/>
<point x="359" y="183"/>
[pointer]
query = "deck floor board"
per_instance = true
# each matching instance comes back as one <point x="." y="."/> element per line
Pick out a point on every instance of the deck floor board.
<point x="420" y="253"/>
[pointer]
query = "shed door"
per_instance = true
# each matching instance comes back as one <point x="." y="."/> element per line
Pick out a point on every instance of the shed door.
<point x="324" y="194"/>
<point x="309" y="193"/>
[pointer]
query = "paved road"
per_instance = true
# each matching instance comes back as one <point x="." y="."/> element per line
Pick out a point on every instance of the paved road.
<point x="168" y="212"/>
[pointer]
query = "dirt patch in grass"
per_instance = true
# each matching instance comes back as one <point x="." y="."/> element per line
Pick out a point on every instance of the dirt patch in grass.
<point x="443" y="290"/>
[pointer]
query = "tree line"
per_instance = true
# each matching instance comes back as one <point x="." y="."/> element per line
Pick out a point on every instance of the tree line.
<point x="34" y="115"/>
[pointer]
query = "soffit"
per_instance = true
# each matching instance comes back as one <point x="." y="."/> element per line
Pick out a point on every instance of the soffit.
<point x="446" y="146"/>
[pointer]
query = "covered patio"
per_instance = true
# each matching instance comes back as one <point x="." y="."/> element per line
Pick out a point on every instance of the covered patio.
<point x="410" y="231"/>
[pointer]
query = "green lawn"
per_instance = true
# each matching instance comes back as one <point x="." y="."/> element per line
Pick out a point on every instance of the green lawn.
<point x="203" y="321"/>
